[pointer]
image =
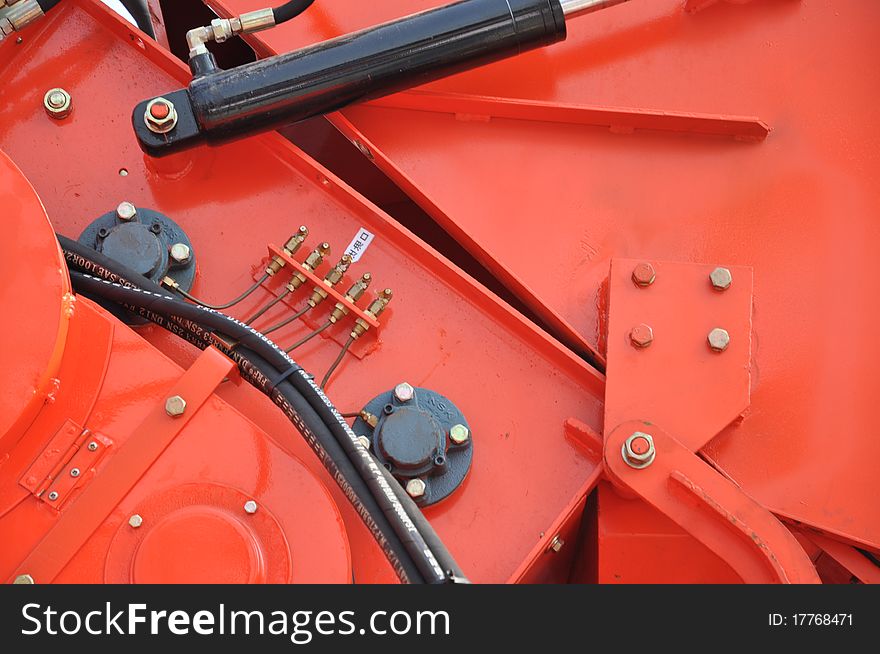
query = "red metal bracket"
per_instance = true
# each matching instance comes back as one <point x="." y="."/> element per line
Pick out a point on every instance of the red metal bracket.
<point x="79" y="520"/>
<point x="620" y="120"/>
<point x="711" y="508"/>
<point x="669" y="366"/>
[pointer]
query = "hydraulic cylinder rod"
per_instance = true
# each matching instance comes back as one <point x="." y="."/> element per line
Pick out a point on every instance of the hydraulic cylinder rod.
<point x="222" y="105"/>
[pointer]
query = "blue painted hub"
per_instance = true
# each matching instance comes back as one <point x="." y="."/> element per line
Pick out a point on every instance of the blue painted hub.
<point x="143" y="244"/>
<point x="411" y="439"/>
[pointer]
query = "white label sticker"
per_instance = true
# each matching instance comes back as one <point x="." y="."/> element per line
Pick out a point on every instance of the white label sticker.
<point x="359" y="244"/>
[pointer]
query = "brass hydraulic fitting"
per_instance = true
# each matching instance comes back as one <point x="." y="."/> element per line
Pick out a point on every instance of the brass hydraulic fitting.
<point x="290" y="248"/>
<point x="223" y="29"/>
<point x="376" y="308"/>
<point x="315" y="258"/>
<point x="354" y="294"/>
<point x="331" y="279"/>
<point x="369" y="418"/>
<point x="169" y="282"/>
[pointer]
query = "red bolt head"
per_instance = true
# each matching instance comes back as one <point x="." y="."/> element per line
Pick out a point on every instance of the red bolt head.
<point x="160" y="110"/>
<point x="639" y="445"/>
<point x="642" y="335"/>
<point x="644" y="274"/>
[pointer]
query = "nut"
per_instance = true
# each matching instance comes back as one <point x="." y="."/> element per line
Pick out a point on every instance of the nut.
<point x="459" y="434"/>
<point x="53" y="496"/>
<point x="24" y="579"/>
<point x="135" y="521"/>
<point x="721" y="279"/>
<point x="180" y="252"/>
<point x="638" y="450"/>
<point x="175" y="406"/>
<point x="404" y="392"/>
<point x="126" y="211"/>
<point x="641" y="335"/>
<point x="719" y="339"/>
<point x="556" y="544"/>
<point x="644" y="274"/>
<point x="93" y="446"/>
<point x="160" y="116"/>
<point x="415" y="488"/>
<point x="74" y="472"/>
<point x="57" y="103"/>
<point x="250" y="507"/>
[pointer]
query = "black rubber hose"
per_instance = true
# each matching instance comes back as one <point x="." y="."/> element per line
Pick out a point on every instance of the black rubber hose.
<point x="290" y="10"/>
<point x="141" y="14"/>
<point x="46" y="5"/>
<point x="258" y="372"/>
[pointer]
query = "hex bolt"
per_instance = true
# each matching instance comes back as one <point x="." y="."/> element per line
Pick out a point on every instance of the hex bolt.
<point x="459" y="434"/>
<point x="404" y="392"/>
<point x="160" y="116"/>
<point x="416" y="488"/>
<point x="641" y="335"/>
<point x="24" y="579"/>
<point x="180" y="252"/>
<point x="721" y="279"/>
<point x="74" y="472"/>
<point x="175" y="406"/>
<point x="135" y="521"/>
<point x="93" y="446"/>
<point x="53" y="496"/>
<point x="250" y="507"/>
<point x="126" y="211"/>
<point x="57" y="103"/>
<point x="638" y="450"/>
<point x="644" y="274"/>
<point x="556" y="544"/>
<point x="718" y="339"/>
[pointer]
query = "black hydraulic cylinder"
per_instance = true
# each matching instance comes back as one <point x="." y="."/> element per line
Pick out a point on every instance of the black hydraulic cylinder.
<point x="223" y="105"/>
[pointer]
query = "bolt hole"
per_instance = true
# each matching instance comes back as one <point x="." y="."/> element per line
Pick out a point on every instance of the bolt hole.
<point x="387" y="466"/>
<point x="388" y="409"/>
<point x="155" y="228"/>
<point x="439" y="460"/>
<point x="102" y="233"/>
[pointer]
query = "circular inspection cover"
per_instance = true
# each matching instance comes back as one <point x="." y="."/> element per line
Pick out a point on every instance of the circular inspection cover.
<point x="35" y="297"/>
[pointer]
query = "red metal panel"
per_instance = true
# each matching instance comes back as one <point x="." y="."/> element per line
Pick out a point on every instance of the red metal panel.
<point x="441" y="330"/>
<point x="799" y="208"/>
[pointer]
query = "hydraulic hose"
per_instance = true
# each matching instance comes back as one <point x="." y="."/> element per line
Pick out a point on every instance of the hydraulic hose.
<point x="406" y="519"/>
<point x="290" y="10"/>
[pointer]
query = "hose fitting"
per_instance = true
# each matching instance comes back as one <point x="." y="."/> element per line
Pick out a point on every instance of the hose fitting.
<point x="315" y="258"/>
<point x="331" y="279"/>
<point x="375" y="310"/>
<point x="354" y="294"/>
<point x="290" y="248"/>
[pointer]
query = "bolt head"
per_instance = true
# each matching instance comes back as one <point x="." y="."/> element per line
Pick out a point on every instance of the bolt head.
<point x="459" y="434"/>
<point x="404" y="392"/>
<point x="641" y="335"/>
<point x="53" y="496"/>
<point x="160" y="116"/>
<point x="638" y="450"/>
<point x="180" y="252"/>
<point x="93" y="446"/>
<point x="126" y="211"/>
<point x="135" y="521"/>
<point x="175" y="406"/>
<point x="74" y="472"/>
<point x="556" y="544"/>
<point x="644" y="274"/>
<point x="416" y="488"/>
<point x="57" y="103"/>
<point x="250" y="507"/>
<point x="24" y="579"/>
<point x="719" y="339"/>
<point x="721" y="279"/>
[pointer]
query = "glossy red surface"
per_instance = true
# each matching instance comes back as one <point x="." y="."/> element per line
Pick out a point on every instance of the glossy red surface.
<point x="516" y="385"/>
<point x="800" y="207"/>
<point x="29" y="259"/>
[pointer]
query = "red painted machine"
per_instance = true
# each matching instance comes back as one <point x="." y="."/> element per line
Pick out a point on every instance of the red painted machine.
<point x="652" y="359"/>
